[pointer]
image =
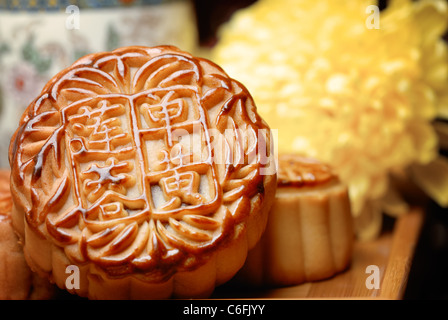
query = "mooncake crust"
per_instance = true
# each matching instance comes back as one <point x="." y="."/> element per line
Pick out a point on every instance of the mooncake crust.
<point x="105" y="175"/>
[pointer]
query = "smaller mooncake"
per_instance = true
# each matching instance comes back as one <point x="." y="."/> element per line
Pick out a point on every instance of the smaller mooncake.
<point x="309" y="235"/>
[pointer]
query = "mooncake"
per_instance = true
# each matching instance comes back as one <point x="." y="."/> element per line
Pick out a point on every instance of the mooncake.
<point x="17" y="281"/>
<point x="145" y="172"/>
<point x="309" y="235"/>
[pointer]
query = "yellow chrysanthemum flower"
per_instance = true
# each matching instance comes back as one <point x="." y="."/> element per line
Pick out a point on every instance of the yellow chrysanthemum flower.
<point x="359" y="95"/>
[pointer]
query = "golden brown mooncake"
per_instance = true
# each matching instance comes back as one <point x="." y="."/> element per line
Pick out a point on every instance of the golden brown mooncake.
<point x="148" y="169"/>
<point x="309" y="235"/>
<point x="17" y="281"/>
<point x="5" y="194"/>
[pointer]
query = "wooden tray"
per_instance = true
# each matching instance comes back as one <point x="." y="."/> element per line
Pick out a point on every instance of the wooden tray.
<point x="392" y="252"/>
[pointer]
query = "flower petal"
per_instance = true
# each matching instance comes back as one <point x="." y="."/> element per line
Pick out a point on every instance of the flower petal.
<point x="433" y="179"/>
<point x="393" y="203"/>
<point x="443" y="107"/>
<point x="432" y="17"/>
<point x="441" y="129"/>
<point x="368" y="224"/>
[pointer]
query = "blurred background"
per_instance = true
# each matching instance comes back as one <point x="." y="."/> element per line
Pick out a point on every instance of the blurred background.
<point x="38" y="38"/>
